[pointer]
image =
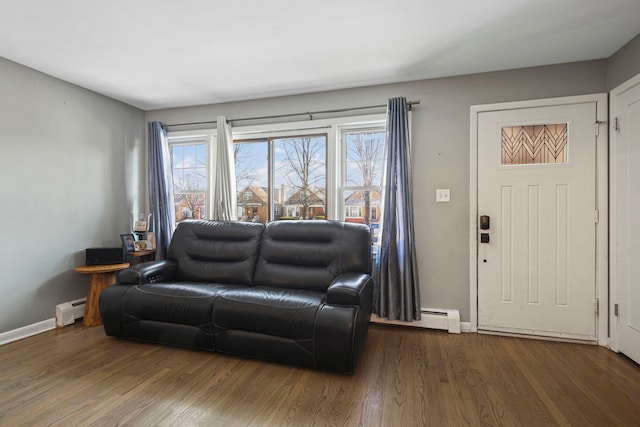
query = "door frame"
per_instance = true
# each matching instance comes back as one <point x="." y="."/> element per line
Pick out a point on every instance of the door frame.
<point x="602" y="170"/>
<point x="613" y="161"/>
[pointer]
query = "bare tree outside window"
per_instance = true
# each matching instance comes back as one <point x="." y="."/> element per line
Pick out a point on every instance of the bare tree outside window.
<point x="301" y="170"/>
<point x="284" y="176"/>
<point x="190" y="177"/>
<point x="252" y="180"/>
<point x="297" y="187"/>
<point x="364" y="153"/>
<point x="248" y="165"/>
<point x="190" y="206"/>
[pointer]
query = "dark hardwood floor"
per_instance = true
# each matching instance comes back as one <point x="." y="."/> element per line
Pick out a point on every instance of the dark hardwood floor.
<point x="77" y="376"/>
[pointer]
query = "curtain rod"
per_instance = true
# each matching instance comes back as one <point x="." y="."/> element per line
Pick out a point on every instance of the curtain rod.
<point x="280" y="116"/>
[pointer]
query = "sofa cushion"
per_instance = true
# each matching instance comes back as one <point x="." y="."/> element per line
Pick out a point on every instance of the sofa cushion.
<point x="284" y="313"/>
<point x="186" y="303"/>
<point x="211" y="251"/>
<point x="311" y="254"/>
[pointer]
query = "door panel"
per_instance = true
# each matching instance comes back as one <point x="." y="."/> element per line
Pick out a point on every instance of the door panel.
<point x="627" y="205"/>
<point x="537" y="182"/>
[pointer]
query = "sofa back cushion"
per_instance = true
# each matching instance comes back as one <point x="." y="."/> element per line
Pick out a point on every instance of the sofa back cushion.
<point x="216" y="251"/>
<point x="311" y="254"/>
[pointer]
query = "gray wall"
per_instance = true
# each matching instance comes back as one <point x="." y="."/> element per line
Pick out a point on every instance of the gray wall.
<point x="72" y="167"/>
<point x="624" y="64"/>
<point x="440" y="132"/>
<point x="71" y="172"/>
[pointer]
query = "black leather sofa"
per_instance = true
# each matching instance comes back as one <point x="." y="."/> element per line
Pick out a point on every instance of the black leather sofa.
<point x="297" y="292"/>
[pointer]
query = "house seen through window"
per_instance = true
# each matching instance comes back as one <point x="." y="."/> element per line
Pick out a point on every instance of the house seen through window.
<point x="190" y="168"/>
<point x="286" y="178"/>
<point x="332" y="172"/>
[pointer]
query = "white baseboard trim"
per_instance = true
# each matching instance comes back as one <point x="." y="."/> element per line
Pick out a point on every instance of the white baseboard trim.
<point x="27" y="331"/>
<point x="431" y="318"/>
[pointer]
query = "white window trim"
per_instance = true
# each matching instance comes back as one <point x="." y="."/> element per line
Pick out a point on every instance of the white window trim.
<point x="335" y="147"/>
<point x="190" y="137"/>
<point x="375" y="126"/>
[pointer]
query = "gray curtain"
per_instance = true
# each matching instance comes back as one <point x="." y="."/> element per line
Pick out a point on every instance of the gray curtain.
<point x="223" y="192"/>
<point x="160" y="188"/>
<point x="396" y="290"/>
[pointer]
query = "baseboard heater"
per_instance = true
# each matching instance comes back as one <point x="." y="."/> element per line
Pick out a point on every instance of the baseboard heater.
<point x="431" y="318"/>
<point x="68" y="312"/>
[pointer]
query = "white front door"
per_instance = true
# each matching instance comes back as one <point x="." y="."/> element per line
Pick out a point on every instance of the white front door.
<point x="625" y="105"/>
<point x="537" y="185"/>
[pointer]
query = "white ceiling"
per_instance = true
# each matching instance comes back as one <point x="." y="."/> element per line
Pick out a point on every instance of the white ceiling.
<point x="165" y="53"/>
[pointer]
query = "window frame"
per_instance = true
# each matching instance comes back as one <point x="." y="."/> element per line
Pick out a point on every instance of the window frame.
<point x="270" y="140"/>
<point x="375" y="220"/>
<point x="336" y="149"/>
<point x="191" y="138"/>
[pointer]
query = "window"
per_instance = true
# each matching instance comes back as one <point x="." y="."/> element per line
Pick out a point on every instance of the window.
<point x="534" y="144"/>
<point x="363" y="167"/>
<point x="300" y="174"/>
<point x="353" y="212"/>
<point x="190" y="168"/>
<point x="323" y="169"/>
<point x="284" y="174"/>
<point x="252" y="180"/>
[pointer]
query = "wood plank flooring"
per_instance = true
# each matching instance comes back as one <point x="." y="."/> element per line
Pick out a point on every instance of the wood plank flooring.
<point x="77" y="376"/>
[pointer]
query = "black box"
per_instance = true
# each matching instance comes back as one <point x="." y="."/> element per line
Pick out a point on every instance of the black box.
<point x="101" y="256"/>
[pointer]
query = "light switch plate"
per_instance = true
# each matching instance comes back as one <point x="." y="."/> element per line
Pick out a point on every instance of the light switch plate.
<point x="443" y="195"/>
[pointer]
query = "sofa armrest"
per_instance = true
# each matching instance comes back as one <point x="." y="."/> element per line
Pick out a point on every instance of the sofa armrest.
<point x="148" y="272"/>
<point x="350" y="289"/>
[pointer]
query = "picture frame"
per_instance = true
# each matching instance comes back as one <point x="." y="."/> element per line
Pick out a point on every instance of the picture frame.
<point x="141" y="245"/>
<point x="140" y="226"/>
<point x="128" y="241"/>
<point x="151" y="238"/>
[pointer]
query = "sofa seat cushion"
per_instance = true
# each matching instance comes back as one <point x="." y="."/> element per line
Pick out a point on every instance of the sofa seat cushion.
<point x="284" y="313"/>
<point x="186" y="303"/>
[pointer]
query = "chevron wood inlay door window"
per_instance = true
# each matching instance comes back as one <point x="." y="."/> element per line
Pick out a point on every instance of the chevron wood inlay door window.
<point x="534" y="144"/>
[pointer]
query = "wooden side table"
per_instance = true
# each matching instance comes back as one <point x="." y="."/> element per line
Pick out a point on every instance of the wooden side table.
<point x="100" y="277"/>
<point x="138" y="257"/>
